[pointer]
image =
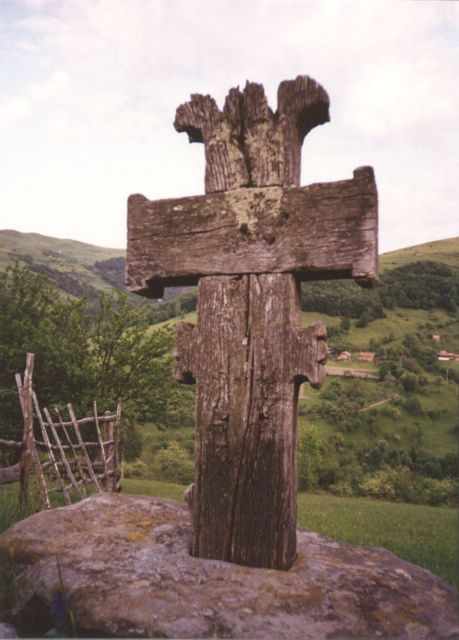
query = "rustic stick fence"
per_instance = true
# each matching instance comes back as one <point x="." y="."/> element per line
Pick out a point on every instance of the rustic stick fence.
<point x="63" y="458"/>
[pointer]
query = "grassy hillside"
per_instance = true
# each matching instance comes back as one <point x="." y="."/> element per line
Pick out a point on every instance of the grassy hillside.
<point x="74" y="267"/>
<point x="70" y="264"/>
<point x="100" y="269"/>
<point x="446" y="251"/>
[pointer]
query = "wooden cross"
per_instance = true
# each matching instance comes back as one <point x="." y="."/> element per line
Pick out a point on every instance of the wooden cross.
<point x="247" y="244"/>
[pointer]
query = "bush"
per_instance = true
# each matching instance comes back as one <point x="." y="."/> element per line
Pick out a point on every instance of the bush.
<point x="138" y="469"/>
<point x="342" y="489"/>
<point x="174" y="464"/>
<point x="311" y="448"/>
<point x="328" y="474"/>
<point x="413" y="406"/>
<point x="131" y="442"/>
<point x="402" y="485"/>
<point x="409" y="382"/>
<point x="438" y="492"/>
<point x="363" y="320"/>
<point x="378" y="485"/>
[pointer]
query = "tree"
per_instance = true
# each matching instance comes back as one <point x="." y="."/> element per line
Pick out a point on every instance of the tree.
<point x="363" y="320"/>
<point x="81" y="358"/>
<point x="33" y="318"/>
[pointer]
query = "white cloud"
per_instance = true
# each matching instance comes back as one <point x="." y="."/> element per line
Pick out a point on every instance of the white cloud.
<point x="92" y="86"/>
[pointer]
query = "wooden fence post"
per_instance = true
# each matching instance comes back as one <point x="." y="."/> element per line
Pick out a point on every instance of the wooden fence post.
<point x="110" y="452"/>
<point x="27" y="412"/>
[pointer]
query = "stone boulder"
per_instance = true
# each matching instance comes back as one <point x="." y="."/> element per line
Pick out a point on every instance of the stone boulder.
<point x="126" y="571"/>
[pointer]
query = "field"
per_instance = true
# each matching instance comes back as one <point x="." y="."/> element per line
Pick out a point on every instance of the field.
<point x="433" y="430"/>
<point x="398" y="323"/>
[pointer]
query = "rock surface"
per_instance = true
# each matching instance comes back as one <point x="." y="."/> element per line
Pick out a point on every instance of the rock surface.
<point x="127" y="572"/>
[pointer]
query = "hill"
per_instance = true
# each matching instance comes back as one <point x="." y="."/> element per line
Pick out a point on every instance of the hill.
<point x="74" y="267"/>
<point x="391" y="435"/>
<point x="386" y="428"/>
<point x="444" y="251"/>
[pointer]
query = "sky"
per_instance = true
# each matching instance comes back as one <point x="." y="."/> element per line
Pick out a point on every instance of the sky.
<point x="89" y="89"/>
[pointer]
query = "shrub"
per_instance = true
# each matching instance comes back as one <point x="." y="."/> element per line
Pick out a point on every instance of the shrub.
<point x="403" y="485"/>
<point x="437" y="492"/>
<point x="132" y="442"/>
<point x="378" y="485"/>
<point x="138" y="469"/>
<point x="174" y="464"/>
<point x="409" y="382"/>
<point x="363" y="320"/>
<point x="342" y="489"/>
<point x="412" y="406"/>
<point x="310" y="458"/>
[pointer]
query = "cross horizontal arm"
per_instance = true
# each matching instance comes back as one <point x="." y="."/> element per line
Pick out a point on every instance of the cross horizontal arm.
<point x="324" y="230"/>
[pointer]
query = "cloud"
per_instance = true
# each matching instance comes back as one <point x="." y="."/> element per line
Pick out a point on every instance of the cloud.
<point x="91" y="90"/>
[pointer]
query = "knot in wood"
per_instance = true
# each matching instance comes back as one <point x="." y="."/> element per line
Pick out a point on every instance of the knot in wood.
<point x="246" y="144"/>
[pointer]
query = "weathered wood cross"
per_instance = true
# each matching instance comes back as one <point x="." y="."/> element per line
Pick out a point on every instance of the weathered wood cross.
<point x="249" y="242"/>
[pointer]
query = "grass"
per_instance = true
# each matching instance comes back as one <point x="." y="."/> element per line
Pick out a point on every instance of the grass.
<point x="439" y="401"/>
<point x="154" y="439"/>
<point x="10" y="512"/>
<point x="154" y="488"/>
<point x="426" y="536"/>
<point x="188" y="317"/>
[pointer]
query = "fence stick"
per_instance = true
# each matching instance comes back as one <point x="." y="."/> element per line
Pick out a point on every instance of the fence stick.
<point x="62" y="452"/>
<point x="84" y="480"/>
<point x="29" y="451"/>
<point x="11" y="444"/>
<point x="111" y="462"/>
<point x="25" y="398"/>
<point x="51" y="456"/>
<point x="85" y="453"/>
<point x="99" y="436"/>
<point x="117" y="442"/>
<point x="26" y="405"/>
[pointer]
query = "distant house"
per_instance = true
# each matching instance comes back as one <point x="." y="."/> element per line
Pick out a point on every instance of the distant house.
<point x="366" y="356"/>
<point x="344" y="355"/>
<point x="447" y="355"/>
<point x="436" y="337"/>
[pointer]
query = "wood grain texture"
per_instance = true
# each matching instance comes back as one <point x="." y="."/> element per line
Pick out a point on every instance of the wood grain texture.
<point x="248" y="243"/>
<point x="248" y="355"/>
<point x="325" y="230"/>
<point x="247" y="144"/>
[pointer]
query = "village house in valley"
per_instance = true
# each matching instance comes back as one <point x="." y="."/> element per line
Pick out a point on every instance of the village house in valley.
<point x="448" y="355"/>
